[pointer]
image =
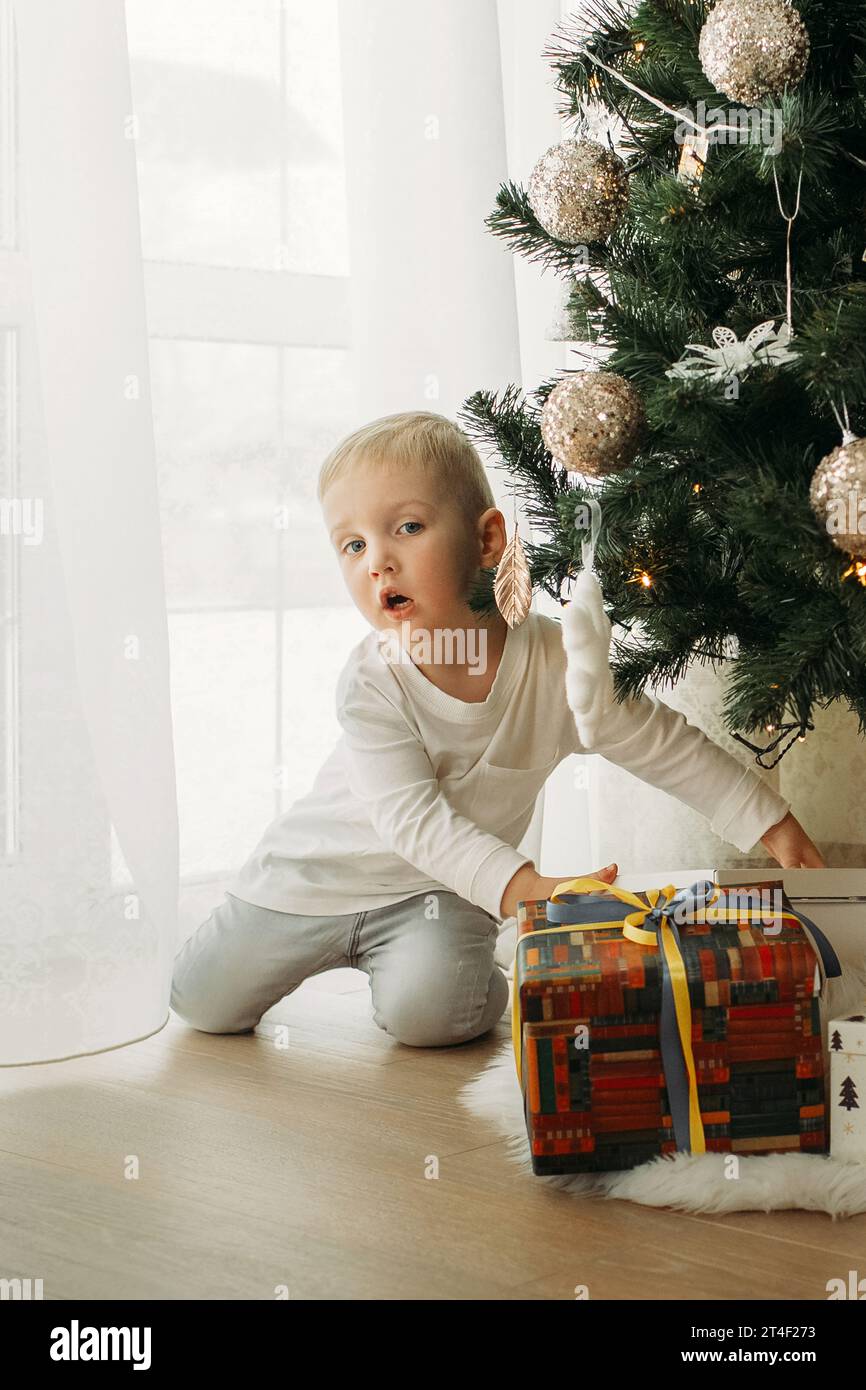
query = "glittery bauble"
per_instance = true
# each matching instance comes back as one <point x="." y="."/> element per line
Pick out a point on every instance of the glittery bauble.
<point x="578" y="190"/>
<point x="750" y="49"/>
<point x="593" y="422"/>
<point x="838" y="496"/>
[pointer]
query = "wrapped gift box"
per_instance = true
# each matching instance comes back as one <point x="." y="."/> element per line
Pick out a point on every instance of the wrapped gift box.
<point x="847" y="1090"/>
<point x="610" y="1081"/>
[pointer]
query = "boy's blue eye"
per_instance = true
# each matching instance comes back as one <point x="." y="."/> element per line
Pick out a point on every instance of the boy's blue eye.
<point x="347" y="551"/>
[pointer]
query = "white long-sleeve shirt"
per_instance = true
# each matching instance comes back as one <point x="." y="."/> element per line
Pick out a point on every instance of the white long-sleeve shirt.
<point x="424" y="791"/>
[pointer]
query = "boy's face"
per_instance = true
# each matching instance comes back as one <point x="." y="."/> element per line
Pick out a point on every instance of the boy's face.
<point x="391" y="531"/>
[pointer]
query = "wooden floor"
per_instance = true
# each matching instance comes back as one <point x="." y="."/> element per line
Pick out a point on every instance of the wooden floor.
<point x="261" y="1167"/>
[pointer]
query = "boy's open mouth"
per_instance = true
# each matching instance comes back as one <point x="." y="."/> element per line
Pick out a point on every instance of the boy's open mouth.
<point x="394" y="602"/>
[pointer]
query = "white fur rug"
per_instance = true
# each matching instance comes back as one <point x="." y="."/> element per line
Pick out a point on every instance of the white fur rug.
<point x="686" y="1182"/>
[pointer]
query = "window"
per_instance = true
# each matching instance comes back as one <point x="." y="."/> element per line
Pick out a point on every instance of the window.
<point x="238" y="131"/>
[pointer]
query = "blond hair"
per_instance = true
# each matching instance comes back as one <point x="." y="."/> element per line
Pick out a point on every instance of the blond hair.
<point x="423" y="439"/>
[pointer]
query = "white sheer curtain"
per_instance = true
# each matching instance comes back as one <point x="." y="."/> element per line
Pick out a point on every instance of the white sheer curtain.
<point x="232" y="230"/>
<point x="87" y="745"/>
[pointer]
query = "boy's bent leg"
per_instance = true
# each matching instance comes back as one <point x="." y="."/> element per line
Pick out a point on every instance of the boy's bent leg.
<point x="433" y="978"/>
<point x="243" y="959"/>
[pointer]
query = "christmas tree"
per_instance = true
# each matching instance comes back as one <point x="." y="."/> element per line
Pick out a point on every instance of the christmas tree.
<point x="714" y="269"/>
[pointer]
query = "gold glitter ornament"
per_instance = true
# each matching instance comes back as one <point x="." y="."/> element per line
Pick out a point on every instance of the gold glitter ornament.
<point x="838" y="495"/>
<point x="750" y="49"/>
<point x="578" y="191"/>
<point x="593" y="423"/>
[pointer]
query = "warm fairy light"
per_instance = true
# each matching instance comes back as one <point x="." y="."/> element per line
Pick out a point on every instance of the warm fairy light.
<point x="595" y="81"/>
<point x="639" y="46"/>
<point x="801" y="738"/>
<point x="857" y="568"/>
<point x="696" y="487"/>
<point x="771" y="728"/>
<point x="641" y="577"/>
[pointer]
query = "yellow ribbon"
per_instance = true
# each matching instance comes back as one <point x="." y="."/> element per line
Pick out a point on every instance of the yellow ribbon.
<point x="631" y="927"/>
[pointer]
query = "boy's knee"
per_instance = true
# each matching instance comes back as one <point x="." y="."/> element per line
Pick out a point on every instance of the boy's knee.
<point x="419" y="1037"/>
<point x="203" y="1016"/>
<point x="414" y="1032"/>
<point x="413" y="1022"/>
<point x="212" y="1025"/>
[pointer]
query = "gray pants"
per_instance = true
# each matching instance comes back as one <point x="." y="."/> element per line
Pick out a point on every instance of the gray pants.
<point x="433" y="979"/>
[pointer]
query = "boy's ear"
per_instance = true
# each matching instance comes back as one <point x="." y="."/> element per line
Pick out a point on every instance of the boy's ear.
<point x="492" y="536"/>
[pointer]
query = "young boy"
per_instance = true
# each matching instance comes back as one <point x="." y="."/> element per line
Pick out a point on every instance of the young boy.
<point x="401" y="860"/>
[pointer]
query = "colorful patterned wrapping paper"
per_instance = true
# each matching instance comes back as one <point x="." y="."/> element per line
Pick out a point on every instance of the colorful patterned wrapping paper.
<point x="755" y="1034"/>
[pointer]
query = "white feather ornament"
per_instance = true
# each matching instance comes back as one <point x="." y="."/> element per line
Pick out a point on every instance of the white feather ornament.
<point x="586" y="633"/>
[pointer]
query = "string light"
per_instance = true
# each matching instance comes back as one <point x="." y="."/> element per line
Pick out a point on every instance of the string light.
<point x="697" y="487"/>
<point x="795" y="729"/>
<point x="641" y="577"/>
<point x="858" y="569"/>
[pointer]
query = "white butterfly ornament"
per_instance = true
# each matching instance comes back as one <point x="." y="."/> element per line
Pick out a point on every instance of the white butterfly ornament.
<point x="761" y="347"/>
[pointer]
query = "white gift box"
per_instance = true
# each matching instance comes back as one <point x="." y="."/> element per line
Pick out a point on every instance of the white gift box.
<point x="846" y="1099"/>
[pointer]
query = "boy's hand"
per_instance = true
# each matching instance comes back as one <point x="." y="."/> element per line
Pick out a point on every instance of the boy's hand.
<point x="790" y="846"/>
<point x="527" y="885"/>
